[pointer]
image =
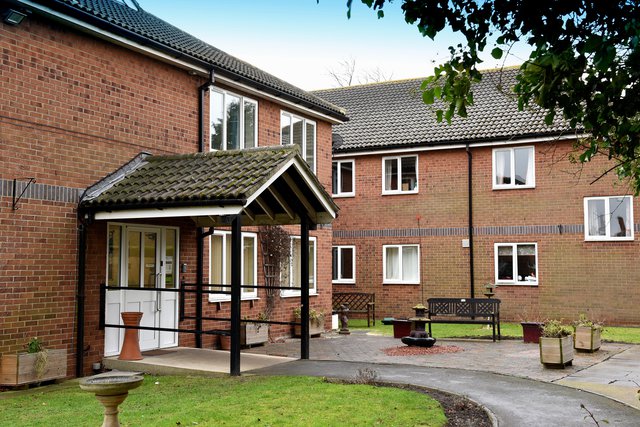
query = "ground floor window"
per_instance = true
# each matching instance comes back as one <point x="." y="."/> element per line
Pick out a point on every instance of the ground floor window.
<point x="516" y="263"/>
<point x="220" y="265"/>
<point x="292" y="276"/>
<point x="401" y="263"/>
<point x="344" y="264"/>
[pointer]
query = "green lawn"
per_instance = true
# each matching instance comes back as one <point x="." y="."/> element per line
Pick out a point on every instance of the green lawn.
<point x="507" y="329"/>
<point x="231" y="401"/>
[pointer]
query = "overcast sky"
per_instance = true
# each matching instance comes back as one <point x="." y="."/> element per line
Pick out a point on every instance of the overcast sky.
<point x="301" y="40"/>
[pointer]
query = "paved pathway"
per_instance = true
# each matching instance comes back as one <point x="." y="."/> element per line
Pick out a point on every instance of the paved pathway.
<point x="506" y="377"/>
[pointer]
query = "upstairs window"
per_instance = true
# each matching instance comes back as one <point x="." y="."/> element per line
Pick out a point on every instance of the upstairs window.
<point x="513" y="168"/>
<point x="344" y="264"/>
<point x="608" y="218"/>
<point x="399" y="175"/>
<point x="343" y="178"/>
<point x="301" y="132"/>
<point x="234" y="121"/>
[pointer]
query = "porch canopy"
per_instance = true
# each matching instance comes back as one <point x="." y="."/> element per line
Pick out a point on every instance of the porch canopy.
<point x="261" y="186"/>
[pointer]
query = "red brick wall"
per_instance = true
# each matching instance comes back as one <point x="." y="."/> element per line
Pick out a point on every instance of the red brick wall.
<point x="73" y="110"/>
<point x="575" y="276"/>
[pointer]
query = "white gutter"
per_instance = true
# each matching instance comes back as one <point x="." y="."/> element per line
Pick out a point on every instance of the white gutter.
<point x="415" y="149"/>
<point x="185" y="65"/>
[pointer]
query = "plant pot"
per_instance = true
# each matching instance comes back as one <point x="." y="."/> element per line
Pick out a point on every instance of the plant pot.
<point x="531" y="331"/>
<point x="131" y="344"/>
<point x="19" y="369"/>
<point x="587" y="338"/>
<point x="401" y="328"/>
<point x="556" y="352"/>
<point x="225" y="342"/>
<point x="316" y="328"/>
<point x="254" y="333"/>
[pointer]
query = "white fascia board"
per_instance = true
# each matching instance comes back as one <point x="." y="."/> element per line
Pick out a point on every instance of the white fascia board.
<point x="146" y="50"/>
<point x="293" y="162"/>
<point x="193" y="211"/>
<point x="459" y="146"/>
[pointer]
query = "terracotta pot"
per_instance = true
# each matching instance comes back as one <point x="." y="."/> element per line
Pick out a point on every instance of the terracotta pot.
<point x="131" y="345"/>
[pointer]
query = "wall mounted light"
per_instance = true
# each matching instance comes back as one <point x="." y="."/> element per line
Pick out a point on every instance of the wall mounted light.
<point x="13" y="17"/>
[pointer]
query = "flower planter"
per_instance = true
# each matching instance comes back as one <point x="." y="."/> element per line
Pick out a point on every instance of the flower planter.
<point x="19" y="369"/>
<point x="254" y="333"/>
<point x="587" y="338"/>
<point x="556" y="352"/>
<point x="531" y="331"/>
<point x="225" y="342"/>
<point x="315" y="328"/>
<point x="401" y="328"/>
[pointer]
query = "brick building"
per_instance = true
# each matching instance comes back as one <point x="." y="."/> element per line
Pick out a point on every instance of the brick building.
<point x="435" y="210"/>
<point x="128" y="158"/>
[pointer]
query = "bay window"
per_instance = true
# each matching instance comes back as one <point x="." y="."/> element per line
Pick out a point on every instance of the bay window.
<point x="233" y="121"/>
<point x="301" y="132"/>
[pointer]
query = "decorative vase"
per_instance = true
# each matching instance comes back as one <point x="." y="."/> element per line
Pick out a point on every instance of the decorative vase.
<point x="131" y="345"/>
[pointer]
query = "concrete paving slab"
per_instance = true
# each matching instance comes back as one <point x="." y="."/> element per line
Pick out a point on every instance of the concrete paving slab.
<point x="191" y="361"/>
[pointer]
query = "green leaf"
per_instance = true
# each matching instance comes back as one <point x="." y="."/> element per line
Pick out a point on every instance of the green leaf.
<point x="380" y="14"/>
<point x="437" y="92"/>
<point x="496" y="53"/>
<point x="427" y="96"/>
<point x="439" y="116"/>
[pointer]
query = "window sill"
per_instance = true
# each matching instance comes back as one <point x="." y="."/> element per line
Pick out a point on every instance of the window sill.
<point x="229" y="299"/>
<point x="343" y="195"/>
<point x="297" y="295"/>
<point x="402" y="283"/>
<point x="609" y="239"/>
<point x="343" y="282"/>
<point x="398" y="193"/>
<point x="530" y="284"/>
<point x="514" y="187"/>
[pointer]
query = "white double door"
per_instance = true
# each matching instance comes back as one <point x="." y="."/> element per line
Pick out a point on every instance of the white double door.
<point x="148" y="262"/>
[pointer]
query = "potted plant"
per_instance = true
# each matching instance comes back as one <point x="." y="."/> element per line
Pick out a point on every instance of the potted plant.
<point x="316" y="321"/>
<point x="556" y="344"/>
<point x="254" y="333"/>
<point x="33" y="366"/>
<point x="587" y="334"/>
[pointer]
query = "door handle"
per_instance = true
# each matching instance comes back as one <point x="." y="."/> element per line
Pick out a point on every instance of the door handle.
<point x="158" y="293"/>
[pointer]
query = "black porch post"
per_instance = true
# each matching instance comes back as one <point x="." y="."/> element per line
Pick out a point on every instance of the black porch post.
<point x="304" y="285"/>
<point x="236" y="274"/>
<point x="199" y="280"/>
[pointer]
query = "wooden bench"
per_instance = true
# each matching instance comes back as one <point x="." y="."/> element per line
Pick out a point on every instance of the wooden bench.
<point x="483" y="311"/>
<point x="357" y="302"/>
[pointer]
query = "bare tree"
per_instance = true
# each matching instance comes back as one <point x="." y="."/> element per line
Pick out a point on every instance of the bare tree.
<point x="346" y="74"/>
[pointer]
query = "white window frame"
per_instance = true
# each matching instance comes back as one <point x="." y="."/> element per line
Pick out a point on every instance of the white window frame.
<point x="303" y="147"/>
<point x="243" y="100"/>
<point x="340" y="279"/>
<point x="339" y="178"/>
<point x="384" y="265"/>
<point x="227" y="235"/>
<point x="398" y="159"/>
<point x="607" y="237"/>
<point x="515" y="281"/>
<point x="294" y="291"/>
<point x="512" y="154"/>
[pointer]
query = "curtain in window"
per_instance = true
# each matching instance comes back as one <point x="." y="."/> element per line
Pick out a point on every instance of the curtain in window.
<point x="248" y="264"/>
<point x="390" y="174"/>
<point x="505" y="262"/>
<point x="410" y="264"/>
<point x="524" y="166"/>
<point x="596" y="217"/>
<point x="503" y="167"/>
<point x="334" y="264"/>
<point x="392" y="263"/>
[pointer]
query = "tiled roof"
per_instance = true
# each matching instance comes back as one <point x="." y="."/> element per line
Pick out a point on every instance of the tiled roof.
<point x="190" y="179"/>
<point x="393" y="115"/>
<point x="111" y="13"/>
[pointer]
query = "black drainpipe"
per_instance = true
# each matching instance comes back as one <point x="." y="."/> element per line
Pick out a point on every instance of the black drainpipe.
<point x="200" y="234"/>
<point x="80" y="297"/>
<point x="470" y="199"/>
